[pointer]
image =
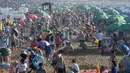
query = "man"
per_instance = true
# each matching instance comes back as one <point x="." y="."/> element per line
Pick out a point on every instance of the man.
<point x="41" y="69"/>
<point x="99" y="37"/>
<point x="75" y="67"/>
<point x="13" y="41"/>
<point x="81" y="38"/>
<point x="51" y="40"/>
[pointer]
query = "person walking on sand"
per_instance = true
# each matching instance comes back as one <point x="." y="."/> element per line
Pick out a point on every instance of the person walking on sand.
<point x="13" y="41"/>
<point x="114" y="67"/>
<point x="99" y="36"/>
<point x="21" y="67"/>
<point x="75" y="67"/>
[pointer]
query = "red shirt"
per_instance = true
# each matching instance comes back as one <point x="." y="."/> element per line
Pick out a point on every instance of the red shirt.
<point x="34" y="44"/>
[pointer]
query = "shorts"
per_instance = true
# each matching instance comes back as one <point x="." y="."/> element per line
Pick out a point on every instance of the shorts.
<point x="100" y="44"/>
<point x="48" y="51"/>
<point x="13" y="44"/>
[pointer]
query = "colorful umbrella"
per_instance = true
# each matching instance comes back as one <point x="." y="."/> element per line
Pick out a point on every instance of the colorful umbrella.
<point x="124" y="27"/>
<point x="21" y="21"/>
<point x="46" y="15"/>
<point x="38" y="11"/>
<point x="112" y="11"/>
<point x="116" y="18"/>
<point x="114" y="26"/>
<point x="32" y="16"/>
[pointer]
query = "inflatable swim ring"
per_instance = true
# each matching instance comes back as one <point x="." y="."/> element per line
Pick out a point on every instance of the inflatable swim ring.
<point x="35" y="60"/>
<point x="6" y="64"/>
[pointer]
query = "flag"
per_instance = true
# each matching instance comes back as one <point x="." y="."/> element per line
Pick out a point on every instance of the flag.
<point x="9" y="21"/>
<point x="1" y="25"/>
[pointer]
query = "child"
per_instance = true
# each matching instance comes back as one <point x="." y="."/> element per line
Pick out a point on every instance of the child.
<point x="21" y="42"/>
<point x="13" y="67"/>
<point x="95" y="42"/>
<point x="103" y="70"/>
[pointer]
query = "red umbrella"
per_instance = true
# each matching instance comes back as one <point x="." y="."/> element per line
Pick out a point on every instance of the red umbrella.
<point x="32" y="16"/>
<point x="21" y="21"/>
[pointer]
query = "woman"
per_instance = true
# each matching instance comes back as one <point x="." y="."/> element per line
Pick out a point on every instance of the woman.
<point x="57" y="40"/>
<point x="114" y="67"/>
<point x="103" y="70"/>
<point x="21" y="67"/>
<point x="60" y="66"/>
<point x="55" y="59"/>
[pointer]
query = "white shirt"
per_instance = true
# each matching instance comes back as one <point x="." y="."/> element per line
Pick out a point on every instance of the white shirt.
<point x="14" y="69"/>
<point x="47" y="43"/>
<point x="76" y="67"/>
<point x="22" y="67"/>
<point x="99" y="36"/>
<point x="105" y="71"/>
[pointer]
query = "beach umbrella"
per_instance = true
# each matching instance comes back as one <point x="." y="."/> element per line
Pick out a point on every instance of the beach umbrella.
<point x="32" y="16"/>
<point x="116" y="18"/>
<point x="124" y="15"/>
<point x="127" y="18"/>
<point x="81" y="8"/>
<point x="38" y="11"/>
<point x="101" y="17"/>
<point x="125" y="27"/>
<point x="114" y="26"/>
<point x="46" y="15"/>
<point x="112" y="11"/>
<point x="21" y="21"/>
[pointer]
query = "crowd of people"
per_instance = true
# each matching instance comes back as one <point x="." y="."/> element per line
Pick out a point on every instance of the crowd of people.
<point x="52" y="44"/>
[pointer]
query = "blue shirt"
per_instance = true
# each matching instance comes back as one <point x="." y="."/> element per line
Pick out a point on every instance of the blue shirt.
<point x="123" y="46"/>
<point x="114" y="70"/>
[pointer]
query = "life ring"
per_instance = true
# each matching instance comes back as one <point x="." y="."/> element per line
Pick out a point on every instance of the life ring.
<point x="6" y="64"/>
<point x="35" y="59"/>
